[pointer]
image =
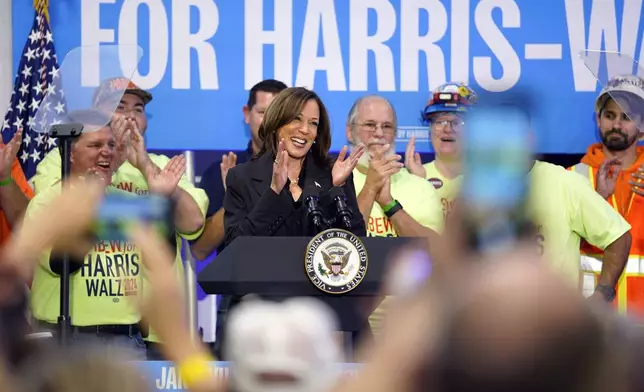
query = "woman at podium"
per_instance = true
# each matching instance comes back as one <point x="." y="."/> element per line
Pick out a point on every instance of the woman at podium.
<point x="280" y="190"/>
<point x="268" y="196"/>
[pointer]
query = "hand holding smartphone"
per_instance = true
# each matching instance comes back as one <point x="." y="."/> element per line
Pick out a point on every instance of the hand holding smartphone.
<point x="497" y="159"/>
<point x="117" y="214"/>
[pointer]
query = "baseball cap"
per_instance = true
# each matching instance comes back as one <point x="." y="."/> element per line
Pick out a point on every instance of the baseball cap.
<point x="450" y="97"/>
<point x="119" y="86"/>
<point x="625" y="84"/>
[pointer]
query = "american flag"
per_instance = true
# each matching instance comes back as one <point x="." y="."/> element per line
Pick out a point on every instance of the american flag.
<point x="37" y="77"/>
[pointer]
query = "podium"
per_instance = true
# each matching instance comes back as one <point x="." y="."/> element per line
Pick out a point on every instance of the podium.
<point x="275" y="268"/>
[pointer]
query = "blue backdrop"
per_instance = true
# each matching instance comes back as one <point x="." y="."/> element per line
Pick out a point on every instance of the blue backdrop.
<point x="201" y="56"/>
<point x="165" y="376"/>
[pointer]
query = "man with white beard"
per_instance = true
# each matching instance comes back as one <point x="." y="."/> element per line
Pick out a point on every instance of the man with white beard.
<point x="393" y="202"/>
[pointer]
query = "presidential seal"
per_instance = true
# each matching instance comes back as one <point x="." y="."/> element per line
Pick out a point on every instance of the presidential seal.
<point x="336" y="261"/>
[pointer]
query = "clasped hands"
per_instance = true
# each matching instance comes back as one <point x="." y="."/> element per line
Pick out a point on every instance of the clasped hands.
<point x="381" y="168"/>
<point x="341" y="170"/>
<point x="130" y="146"/>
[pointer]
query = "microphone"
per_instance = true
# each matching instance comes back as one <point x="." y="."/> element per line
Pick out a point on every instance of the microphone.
<point x="344" y="212"/>
<point x="313" y="210"/>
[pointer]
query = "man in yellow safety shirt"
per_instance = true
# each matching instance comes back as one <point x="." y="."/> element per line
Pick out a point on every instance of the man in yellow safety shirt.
<point x="392" y="201"/>
<point x="100" y="311"/>
<point x="131" y="174"/>
<point x="562" y="206"/>
<point x="444" y="113"/>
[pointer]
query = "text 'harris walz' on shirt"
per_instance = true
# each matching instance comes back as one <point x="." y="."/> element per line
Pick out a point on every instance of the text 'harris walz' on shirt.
<point x="112" y="270"/>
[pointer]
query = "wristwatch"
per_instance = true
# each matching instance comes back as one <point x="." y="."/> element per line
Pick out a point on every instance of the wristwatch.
<point x="607" y="291"/>
<point x="391" y="208"/>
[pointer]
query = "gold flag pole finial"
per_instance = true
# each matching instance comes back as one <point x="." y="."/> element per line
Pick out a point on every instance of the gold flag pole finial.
<point x="43" y="7"/>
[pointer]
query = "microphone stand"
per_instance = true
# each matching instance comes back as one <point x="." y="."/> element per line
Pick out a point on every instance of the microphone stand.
<point x="65" y="133"/>
<point x="344" y="212"/>
<point x="316" y="215"/>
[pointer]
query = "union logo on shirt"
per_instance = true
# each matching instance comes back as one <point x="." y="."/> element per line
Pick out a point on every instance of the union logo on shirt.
<point x="112" y="270"/>
<point x="380" y="227"/>
<point x="129" y="187"/>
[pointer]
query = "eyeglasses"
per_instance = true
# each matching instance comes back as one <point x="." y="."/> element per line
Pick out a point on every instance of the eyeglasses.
<point x="387" y="129"/>
<point x="455" y="124"/>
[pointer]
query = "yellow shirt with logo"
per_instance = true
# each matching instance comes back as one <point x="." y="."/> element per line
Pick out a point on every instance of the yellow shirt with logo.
<point x="565" y="209"/>
<point x="447" y="188"/>
<point x="112" y="271"/>
<point x="418" y="198"/>
<point x="128" y="179"/>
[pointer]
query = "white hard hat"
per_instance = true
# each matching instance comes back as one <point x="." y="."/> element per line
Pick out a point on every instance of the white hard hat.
<point x="621" y="84"/>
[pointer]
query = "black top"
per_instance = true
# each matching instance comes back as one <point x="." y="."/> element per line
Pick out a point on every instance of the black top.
<point x="252" y="208"/>
<point x="213" y="184"/>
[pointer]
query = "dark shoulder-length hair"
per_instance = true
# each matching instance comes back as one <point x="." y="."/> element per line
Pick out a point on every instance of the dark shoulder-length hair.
<point x="286" y="107"/>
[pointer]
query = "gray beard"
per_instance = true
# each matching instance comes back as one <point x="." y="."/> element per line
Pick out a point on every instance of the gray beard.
<point x="365" y="159"/>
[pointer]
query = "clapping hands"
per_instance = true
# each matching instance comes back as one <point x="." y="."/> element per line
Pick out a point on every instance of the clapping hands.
<point x="280" y="168"/>
<point x="8" y="154"/>
<point x="607" y="177"/>
<point x="130" y="144"/>
<point x="344" y="165"/>
<point x="164" y="182"/>
<point x="412" y="160"/>
<point x="228" y="161"/>
<point x="381" y="169"/>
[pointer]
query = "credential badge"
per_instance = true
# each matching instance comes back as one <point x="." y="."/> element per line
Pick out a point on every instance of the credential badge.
<point x="336" y="261"/>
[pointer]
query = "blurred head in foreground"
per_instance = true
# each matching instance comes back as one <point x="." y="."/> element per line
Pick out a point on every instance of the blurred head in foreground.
<point x="286" y="346"/>
<point x="517" y="327"/>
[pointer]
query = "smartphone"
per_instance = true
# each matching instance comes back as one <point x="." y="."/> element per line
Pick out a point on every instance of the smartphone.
<point x="497" y="159"/>
<point x="118" y="213"/>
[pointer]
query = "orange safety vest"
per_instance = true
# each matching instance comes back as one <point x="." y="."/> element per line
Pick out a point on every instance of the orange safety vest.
<point x="630" y="289"/>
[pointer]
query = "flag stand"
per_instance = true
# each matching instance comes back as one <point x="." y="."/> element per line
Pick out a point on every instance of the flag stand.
<point x="66" y="133"/>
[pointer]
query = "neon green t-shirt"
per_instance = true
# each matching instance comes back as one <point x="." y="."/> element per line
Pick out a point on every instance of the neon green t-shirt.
<point x="111" y="272"/>
<point x="447" y="188"/>
<point x="418" y="198"/>
<point x="128" y="179"/>
<point x="565" y="209"/>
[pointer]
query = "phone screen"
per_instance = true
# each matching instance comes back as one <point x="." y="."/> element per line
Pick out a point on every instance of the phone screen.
<point x="118" y="213"/>
<point x="498" y="158"/>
